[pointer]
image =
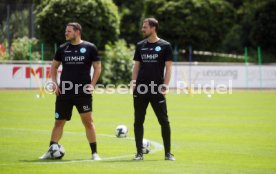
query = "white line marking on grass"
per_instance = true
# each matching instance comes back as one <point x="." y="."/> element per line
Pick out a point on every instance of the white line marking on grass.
<point x="158" y="147"/>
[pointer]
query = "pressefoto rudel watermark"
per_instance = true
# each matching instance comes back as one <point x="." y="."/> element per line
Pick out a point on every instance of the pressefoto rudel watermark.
<point x="181" y="88"/>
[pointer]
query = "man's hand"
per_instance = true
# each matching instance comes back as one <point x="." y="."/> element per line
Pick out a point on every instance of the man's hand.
<point x="97" y="66"/>
<point x="164" y="89"/>
<point x="132" y="85"/>
<point x="56" y="89"/>
<point x="91" y="88"/>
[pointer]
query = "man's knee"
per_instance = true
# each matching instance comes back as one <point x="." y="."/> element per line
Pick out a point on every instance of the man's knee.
<point x="87" y="120"/>
<point x="59" y="123"/>
<point x="164" y="122"/>
<point x="88" y="124"/>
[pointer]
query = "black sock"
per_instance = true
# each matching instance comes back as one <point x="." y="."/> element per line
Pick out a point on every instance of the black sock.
<point x="93" y="147"/>
<point x="52" y="142"/>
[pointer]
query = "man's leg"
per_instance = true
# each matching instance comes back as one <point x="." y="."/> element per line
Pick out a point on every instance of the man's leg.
<point x="90" y="130"/>
<point x="140" y="106"/>
<point x="55" y="137"/>
<point x="57" y="131"/>
<point x="158" y="103"/>
<point x="63" y="113"/>
<point x="84" y="106"/>
<point x="87" y="121"/>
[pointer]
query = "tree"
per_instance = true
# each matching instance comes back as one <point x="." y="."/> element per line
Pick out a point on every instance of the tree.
<point x="263" y="26"/>
<point x="131" y="12"/>
<point x="18" y="26"/>
<point x="99" y="19"/>
<point x="232" y="42"/>
<point x="202" y="24"/>
<point x="254" y="28"/>
<point x="21" y="49"/>
<point x="117" y="63"/>
<point x="235" y="3"/>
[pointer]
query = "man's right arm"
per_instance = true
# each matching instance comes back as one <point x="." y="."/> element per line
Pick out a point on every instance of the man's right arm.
<point x="54" y="72"/>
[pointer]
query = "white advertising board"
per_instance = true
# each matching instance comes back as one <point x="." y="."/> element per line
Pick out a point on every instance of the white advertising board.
<point x="23" y="75"/>
<point x="239" y="76"/>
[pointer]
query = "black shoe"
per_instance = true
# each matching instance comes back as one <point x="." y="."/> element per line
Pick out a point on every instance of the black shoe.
<point x="138" y="157"/>
<point x="169" y="157"/>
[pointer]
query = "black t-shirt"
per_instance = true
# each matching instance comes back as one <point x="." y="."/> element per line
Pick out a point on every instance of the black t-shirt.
<point x="152" y="58"/>
<point x="76" y="63"/>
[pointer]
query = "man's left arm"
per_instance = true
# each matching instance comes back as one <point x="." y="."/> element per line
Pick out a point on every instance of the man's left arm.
<point x="97" y="71"/>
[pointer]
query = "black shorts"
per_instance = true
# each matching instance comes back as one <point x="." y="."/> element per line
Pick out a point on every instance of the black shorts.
<point x="64" y="106"/>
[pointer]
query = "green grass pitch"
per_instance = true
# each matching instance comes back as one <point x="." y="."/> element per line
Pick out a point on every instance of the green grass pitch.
<point x="231" y="133"/>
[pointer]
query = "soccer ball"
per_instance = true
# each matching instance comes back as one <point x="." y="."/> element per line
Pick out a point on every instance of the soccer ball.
<point x="121" y="131"/>
<point x="146" y="146"/>
<point x="56" y="151"/>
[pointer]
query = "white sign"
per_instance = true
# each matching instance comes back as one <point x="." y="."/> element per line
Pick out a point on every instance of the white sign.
<point x="239" y="76"/>
<point x="24" y="76"/>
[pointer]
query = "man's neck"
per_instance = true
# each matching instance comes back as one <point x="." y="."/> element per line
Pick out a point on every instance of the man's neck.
<point x="153" y="38"/>
<point x="76" y="41"/>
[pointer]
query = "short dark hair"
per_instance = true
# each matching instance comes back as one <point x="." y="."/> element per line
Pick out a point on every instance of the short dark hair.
<point x="76" y="26"/>
<point x="152" y="22"/>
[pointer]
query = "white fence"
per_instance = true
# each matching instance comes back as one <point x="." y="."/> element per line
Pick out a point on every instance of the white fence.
<point x="236" y="75"/>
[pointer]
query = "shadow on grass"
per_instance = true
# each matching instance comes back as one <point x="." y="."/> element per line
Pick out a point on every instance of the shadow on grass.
<point x="38" y="161"/>
<point x="127" y="161"/>
<point x="50" y="160"/>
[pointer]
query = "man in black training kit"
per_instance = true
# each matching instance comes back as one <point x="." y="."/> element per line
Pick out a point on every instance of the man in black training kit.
<point x="151" y="57"/>
<point x="76" y="56"/>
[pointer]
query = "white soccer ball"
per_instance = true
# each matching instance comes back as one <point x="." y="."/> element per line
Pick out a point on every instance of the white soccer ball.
<point x="56" y="151"/>
<point x="146" y="146"/>
<point x="121" y="131"/>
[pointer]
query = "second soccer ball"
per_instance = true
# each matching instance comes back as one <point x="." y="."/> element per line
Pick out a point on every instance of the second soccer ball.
<point x="121" y="131"/>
